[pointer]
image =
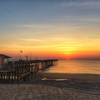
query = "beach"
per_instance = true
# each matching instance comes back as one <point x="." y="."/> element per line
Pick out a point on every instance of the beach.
<point x="49" y="49"/>
<point x="68" y="76"/>
<point x="53" y="87"/>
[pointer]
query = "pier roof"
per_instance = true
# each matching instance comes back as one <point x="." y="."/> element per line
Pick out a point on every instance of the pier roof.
<point x="2" y="55"/>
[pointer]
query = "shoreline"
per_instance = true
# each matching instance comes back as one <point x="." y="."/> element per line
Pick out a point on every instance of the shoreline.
<point x="69" y="76"/>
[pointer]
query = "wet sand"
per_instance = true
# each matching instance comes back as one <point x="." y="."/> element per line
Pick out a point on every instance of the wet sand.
<point x="80" y="77"/>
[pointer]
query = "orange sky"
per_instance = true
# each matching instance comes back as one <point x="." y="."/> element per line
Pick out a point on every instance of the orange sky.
<point x="51" y="52"/>
<point x="58" y="29"/>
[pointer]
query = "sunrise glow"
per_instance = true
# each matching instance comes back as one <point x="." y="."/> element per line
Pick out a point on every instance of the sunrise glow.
<point x="59" y="29"/>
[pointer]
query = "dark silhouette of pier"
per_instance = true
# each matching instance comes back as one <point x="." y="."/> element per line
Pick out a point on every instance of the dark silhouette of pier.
<point x="23" y="70"/>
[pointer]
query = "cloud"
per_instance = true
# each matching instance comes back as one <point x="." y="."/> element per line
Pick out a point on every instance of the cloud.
<point x="31" y="40"/>
<point x="36" y="26"/>
<point x="46" y="46"/>
<point x="56" y="38"/>
<point x="80" y="3"/>
<point x="97" y="20"/>
<point x="79" y="19"/>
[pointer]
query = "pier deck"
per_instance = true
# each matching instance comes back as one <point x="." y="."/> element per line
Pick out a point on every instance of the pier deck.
<point x="25" y="70"/>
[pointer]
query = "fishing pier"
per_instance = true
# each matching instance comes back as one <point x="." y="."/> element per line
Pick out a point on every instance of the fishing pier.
<point x="24" y="70"/>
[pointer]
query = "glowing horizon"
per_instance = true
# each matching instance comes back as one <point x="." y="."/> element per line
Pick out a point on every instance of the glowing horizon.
<point x="61" y="29"/>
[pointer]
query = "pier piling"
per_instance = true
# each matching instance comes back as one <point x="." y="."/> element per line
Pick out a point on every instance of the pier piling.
<point x="18" y="70"/>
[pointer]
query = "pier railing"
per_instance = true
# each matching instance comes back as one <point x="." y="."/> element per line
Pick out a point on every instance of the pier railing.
<point x="25" y="70"/>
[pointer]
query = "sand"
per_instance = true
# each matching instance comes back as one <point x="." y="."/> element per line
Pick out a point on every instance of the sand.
<point x="81" y="77"/>
<point x="47" y="87"/>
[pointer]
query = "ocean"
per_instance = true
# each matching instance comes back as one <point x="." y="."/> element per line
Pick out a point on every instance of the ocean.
<point x="75" y="67"/>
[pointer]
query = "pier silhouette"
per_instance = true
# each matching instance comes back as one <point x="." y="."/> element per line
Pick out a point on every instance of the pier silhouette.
<point x="23" y="70"/>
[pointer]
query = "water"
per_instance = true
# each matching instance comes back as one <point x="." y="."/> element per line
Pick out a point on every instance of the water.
<point x="75" y="66"/>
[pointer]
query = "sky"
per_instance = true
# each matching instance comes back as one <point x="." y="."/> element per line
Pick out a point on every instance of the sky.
<point x="50" y="28"/>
